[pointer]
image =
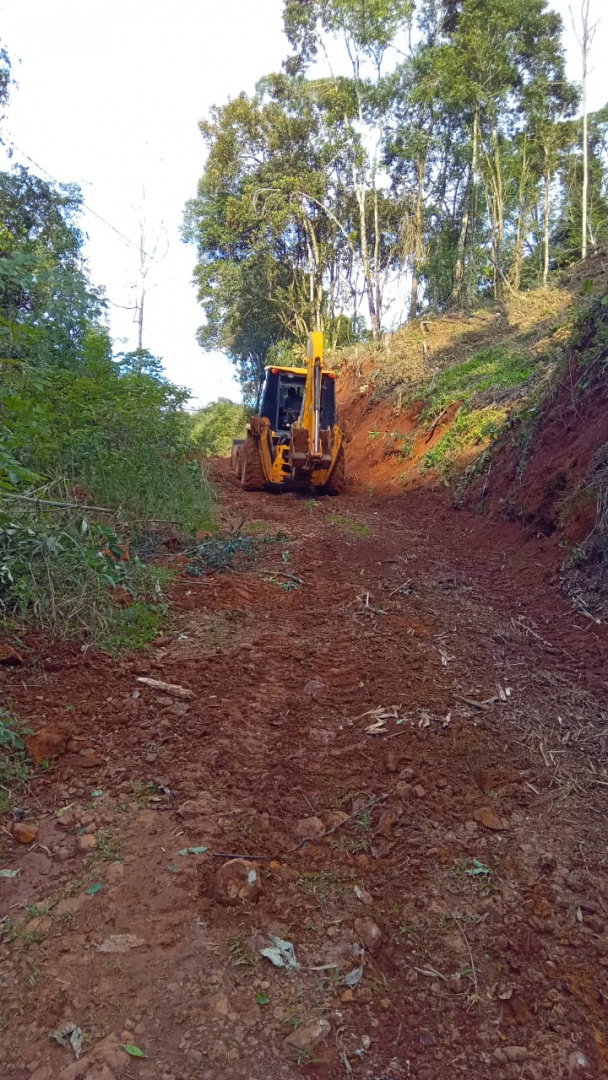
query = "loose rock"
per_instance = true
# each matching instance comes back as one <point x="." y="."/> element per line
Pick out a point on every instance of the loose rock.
<point x="87" y="842"/>
<point x="332" y="819"/>
<point x="10" y="656"/>
<point x="24" y="832"/>
<point x="488" y="817"/>
<point x="369" y="933"/>
<point x="121" y="943"/>
<point x="314" y="688"/>
<point x="49" y="742"/>
<point x="309" y="1034"/>
<point x="195" y="808"/>
<point x="238" y="879"/>
<point x="515" y="1053"/>
<point x="310" y="828"/>
<point x="403" y="789"/>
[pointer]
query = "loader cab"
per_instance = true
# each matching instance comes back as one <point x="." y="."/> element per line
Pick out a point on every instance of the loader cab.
<point x="283" y="397"/>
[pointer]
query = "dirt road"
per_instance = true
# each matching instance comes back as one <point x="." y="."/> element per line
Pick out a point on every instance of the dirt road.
<point x="403" y="725"/>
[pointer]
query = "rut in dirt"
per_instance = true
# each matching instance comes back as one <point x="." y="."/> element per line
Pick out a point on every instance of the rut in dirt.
<point x="393" y="716"/>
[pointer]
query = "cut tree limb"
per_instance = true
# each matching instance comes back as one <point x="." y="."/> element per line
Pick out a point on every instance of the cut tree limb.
<point x="168" y="688"/>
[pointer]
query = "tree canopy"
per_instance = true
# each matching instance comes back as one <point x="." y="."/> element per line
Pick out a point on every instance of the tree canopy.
<point x="408" y="156"/>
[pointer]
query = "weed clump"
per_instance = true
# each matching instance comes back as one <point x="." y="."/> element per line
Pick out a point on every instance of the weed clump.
<point x="74" y="578"/>
<point x="14" y="771"/>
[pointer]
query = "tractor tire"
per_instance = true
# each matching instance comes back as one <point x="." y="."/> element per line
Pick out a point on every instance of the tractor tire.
<point x="336" y="485"/>
<point x="252" y="472"/>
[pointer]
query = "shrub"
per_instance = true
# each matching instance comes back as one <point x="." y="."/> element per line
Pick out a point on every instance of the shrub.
<point x="216" y="425"/>
<point x="71" y="577"/>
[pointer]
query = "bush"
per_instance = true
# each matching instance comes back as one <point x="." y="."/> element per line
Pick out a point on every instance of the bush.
<point x="77" y="425"/>
<point x="123" y="437"/>
<point x="71" y="577"/>
<point x="215" y="426"/>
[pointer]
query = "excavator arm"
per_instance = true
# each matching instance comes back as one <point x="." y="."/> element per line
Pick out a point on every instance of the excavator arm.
<point x="310" y="445"/>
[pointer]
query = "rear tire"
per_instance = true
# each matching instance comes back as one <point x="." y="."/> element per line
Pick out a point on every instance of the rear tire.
<point x="336" y="485"/>
<point x="252" y="472"/>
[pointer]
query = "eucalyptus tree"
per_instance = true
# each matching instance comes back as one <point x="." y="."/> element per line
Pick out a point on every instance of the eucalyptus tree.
<point x="369" y="31"/>
<point x="272" y="221"/>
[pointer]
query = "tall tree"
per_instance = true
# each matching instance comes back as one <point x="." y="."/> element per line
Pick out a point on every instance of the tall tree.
<point x="585" y="35"/>
<point x="368" y="31"/>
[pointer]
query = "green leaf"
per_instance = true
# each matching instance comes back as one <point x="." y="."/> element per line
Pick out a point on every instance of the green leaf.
<point x="134" y="1051"/>
<point x="262" y="999"/>
<point x="193" y="851"/>
<point x="92" y="889"/>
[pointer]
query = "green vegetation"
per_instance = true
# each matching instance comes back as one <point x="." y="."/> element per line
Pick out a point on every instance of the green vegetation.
<point x="444" y="147"/>
<point x="217" y="554"/>
<point x="482" y="389"/>
<point x="215" y="426"/>
<point x="86" y="436"/>
<point x="489" y="370"/>
<point x="72" y="577"/>
<point x="472" y="427"/>
<point x="348" y="524"/>
<point x="14" y="771"/>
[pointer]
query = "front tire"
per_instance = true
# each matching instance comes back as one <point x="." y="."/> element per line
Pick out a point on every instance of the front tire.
<point x="336" y="485"/>
<point x="252" y="472"/>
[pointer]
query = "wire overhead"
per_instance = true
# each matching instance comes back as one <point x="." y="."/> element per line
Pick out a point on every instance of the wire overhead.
<point x="127" y="240"/>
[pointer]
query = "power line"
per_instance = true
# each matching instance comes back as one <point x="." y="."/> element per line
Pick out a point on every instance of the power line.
<point x="109" y="224"/>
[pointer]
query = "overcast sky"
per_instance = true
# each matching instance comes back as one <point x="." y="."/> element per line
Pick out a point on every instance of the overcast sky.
<point x="109" y="96"/>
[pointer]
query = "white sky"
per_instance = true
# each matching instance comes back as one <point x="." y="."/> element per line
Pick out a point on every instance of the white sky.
<point x="109" y="96"/>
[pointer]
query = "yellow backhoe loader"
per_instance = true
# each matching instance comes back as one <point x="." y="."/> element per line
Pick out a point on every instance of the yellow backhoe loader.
<point x="295" y="441"/>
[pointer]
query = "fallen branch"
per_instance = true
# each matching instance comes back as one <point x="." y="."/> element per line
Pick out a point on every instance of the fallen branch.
<point x="231" y="855"/>
<point x="483" y="705"/>
<point x="169" y="688"/>
<point x="467" y="943"/>
<point x="438" y="421"/>
<point x="55" y="504"/>
<point x="58" y="505"/>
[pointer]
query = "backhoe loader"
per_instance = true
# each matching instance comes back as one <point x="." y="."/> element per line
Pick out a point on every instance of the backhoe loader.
<point x="295" y="441"/>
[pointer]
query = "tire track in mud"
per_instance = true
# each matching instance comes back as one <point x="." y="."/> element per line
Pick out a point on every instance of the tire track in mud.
<point x="473" y="843"/>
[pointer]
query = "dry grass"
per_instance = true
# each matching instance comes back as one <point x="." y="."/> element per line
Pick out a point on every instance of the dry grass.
<point x="536" y="321"/>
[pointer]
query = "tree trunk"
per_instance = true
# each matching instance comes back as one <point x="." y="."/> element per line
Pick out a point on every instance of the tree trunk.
<point x="140" y="318"/>
<point x="585" y="41"/>
<point x="377" y="275"/>
<point x="546" y="224"/>
<point x="468" y="297"/>
<point x="585" y="169"/>
<point x="461" y="247"/>
<point x="498" y="215"/>
<point x="522" y="216"/>
<point x="367" y="270"/>
<point x="418" y="240"/>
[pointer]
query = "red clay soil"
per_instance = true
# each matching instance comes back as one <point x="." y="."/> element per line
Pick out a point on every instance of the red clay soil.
<point x="550" y="493"/>
<point x="427" y="710"/>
